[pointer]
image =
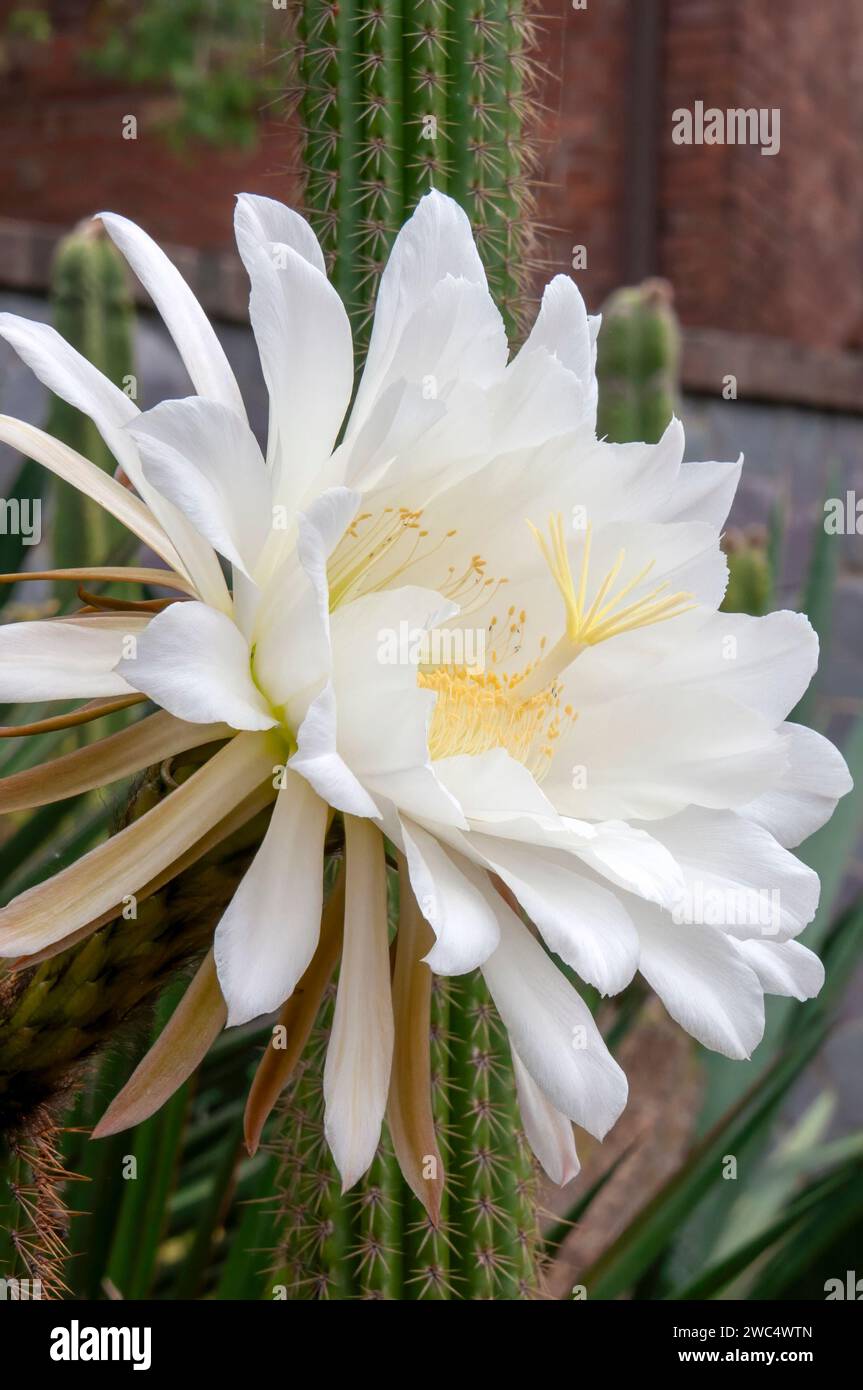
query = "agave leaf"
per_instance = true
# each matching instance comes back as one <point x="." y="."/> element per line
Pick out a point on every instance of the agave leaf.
<point x="717" y="1278"/>
<point x="841" y="954"/>
<point x="27" y="485"/>
<point x="649" y="1235"/>
<point x="142" y="1212"/>
<point x="251" y="1248"/>
<point x="825" y="1244"/>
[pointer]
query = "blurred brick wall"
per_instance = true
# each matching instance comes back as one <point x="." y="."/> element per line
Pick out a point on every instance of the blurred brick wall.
<point x="63" y="156"/>
<point x="582" y="138"/>
<point x="752" y="244"/>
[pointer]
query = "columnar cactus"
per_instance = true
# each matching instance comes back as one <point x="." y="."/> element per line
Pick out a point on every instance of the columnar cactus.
<point x="399" y="96"/>
<point x="638" y="364"/>
<point x="377" y="1242"/>
<point x="750" y="580"/>
<point x="92" y="310"/>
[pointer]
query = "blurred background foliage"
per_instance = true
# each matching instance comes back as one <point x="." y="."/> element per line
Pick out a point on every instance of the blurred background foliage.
<point x="219" y="58"/>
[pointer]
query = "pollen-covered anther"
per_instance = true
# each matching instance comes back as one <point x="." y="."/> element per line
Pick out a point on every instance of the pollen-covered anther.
<point x="478" y="711"/>
<point x="395" y="534"/>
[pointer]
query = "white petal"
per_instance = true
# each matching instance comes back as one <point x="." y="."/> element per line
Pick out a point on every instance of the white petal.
<point x="500" y="797"/>
<point x="632" y="859"/>
<point x="537" y="399"/>
<point x="204" y="458"/>
<point x="703" y="982"/>
<point x="784" y="967"/>
<point x="304" y="340"/>
<point x="763" y="663"/>
<point x="804" y="796"/>
<point x="737" y="876"/>
<point x="196" y="341"/>
<point x="292" y="624"/>
<point x="194" y="662"/>
<point x="383" y="714"/>
<point x="318" y="760"/>
<point x="359" y="1055"/>
<point x="436" y="241"/>
<point x="493" y="787"/>
<point x="267" y="937"/>
<point x="259" y="221"/>
<point x="93" y="482"/>
<point x="319" y="530"/>
<point x="457" y="335"/>
<point x="584" y="923"/>
<point x="64" y="660"/>
<point x="451" y="899"/>
<point x="649" y="755"/>
<point x="562" y="327"/>
<point x="552" y="1029"/>
<point x="703" y="492"/>
<point x="549" y="1133"/>
<point x="396" y="430"/>
<point x="71" y="377"/>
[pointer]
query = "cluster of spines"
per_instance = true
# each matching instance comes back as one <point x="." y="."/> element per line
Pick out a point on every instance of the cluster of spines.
<point x="34" y="1218"/>
<point x="377" y="1242"/>
<point x="398" y="96"/>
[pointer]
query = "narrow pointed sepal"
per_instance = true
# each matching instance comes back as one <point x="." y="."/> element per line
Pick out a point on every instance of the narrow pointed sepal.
<point x="180" y="1048"/>
<point x="359" y="1056"/>
<point x="409" y="1109"/>
<point x="549" y="1133"/>
<point x="296" y="1020"/>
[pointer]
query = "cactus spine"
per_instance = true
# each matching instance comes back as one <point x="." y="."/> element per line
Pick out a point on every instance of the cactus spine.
<point x="376" y="1242"/>
<point x="399" y="96"/>
<point x="638" y="364"/>
<point x="92" y="311"/>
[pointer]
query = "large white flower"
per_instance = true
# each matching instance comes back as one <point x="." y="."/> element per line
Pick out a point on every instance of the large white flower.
<point x="616" y="759"/>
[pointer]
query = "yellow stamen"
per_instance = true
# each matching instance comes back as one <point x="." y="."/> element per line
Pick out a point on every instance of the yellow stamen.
<point x="605" y="617"/>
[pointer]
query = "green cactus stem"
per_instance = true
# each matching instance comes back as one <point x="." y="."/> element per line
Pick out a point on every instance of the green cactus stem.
<point x="377" y="1241"/>
<point x="638" y="364"/>
<point x="92" y="308"/>
<point x="750" y="579"/>
<point x="399" y="96"/>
